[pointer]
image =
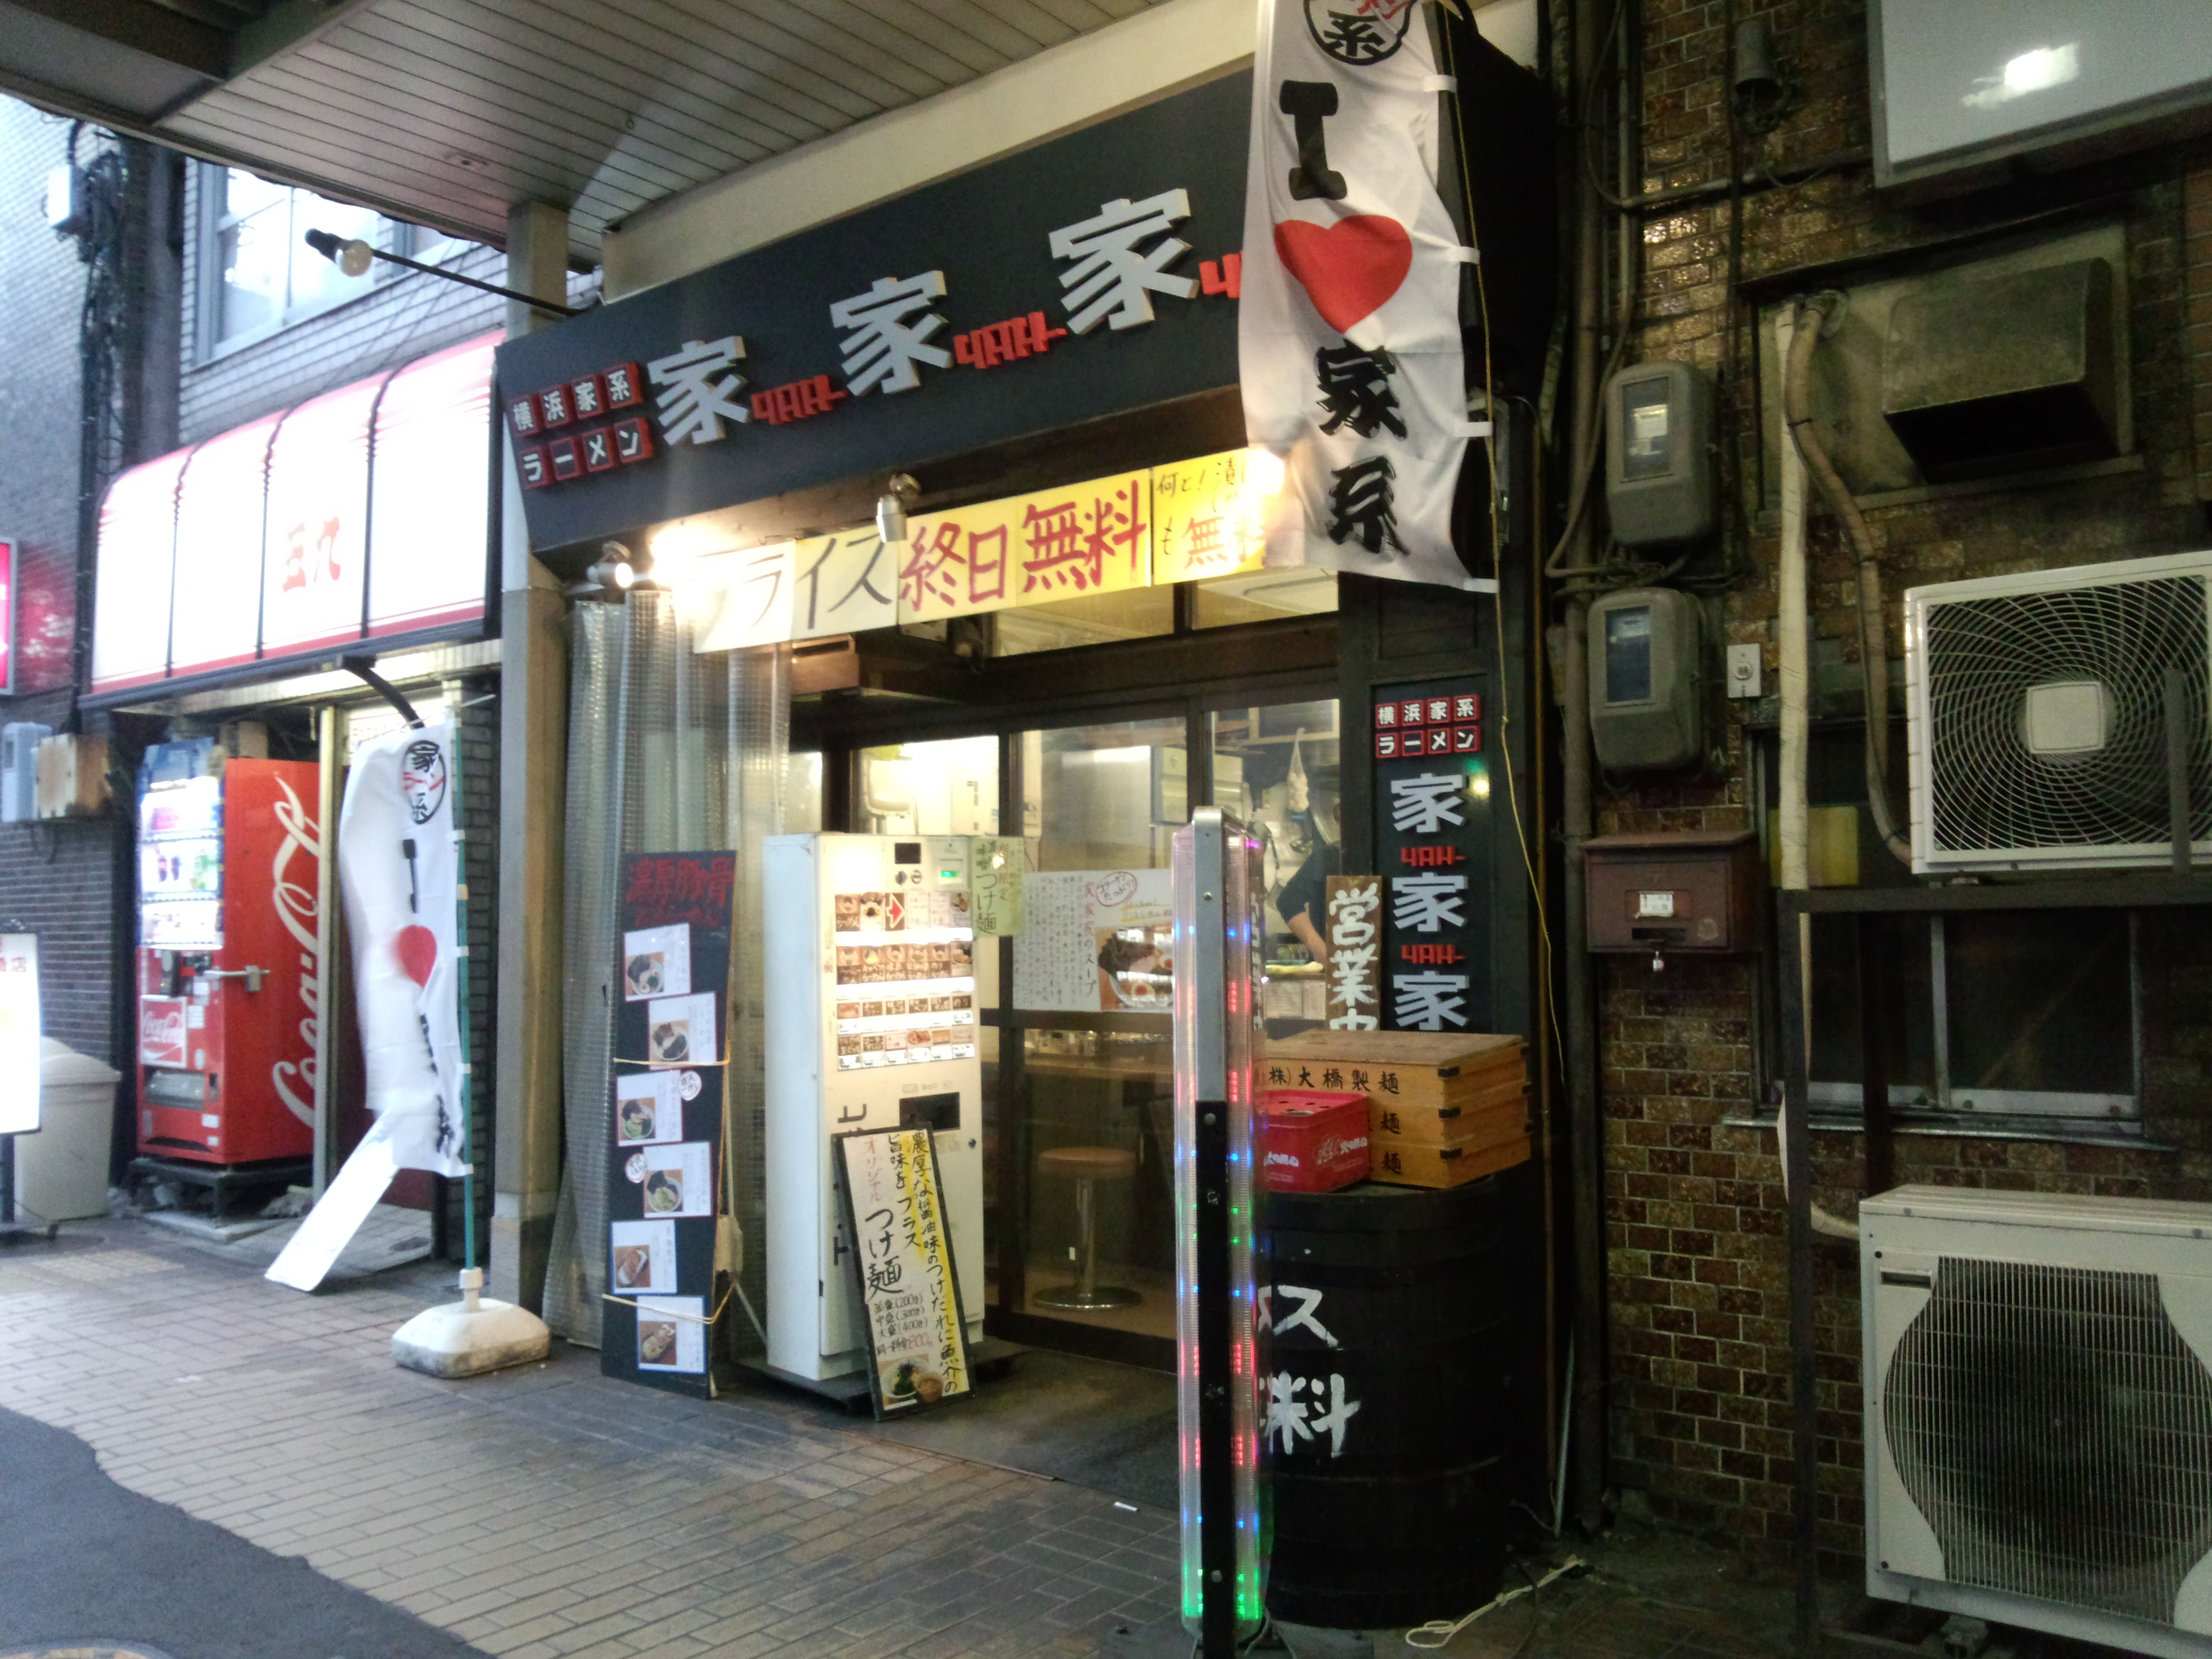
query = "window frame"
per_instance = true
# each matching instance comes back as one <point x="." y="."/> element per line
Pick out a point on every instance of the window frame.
<point x="1942" y="1101"/>
<point x="212" y="221"/>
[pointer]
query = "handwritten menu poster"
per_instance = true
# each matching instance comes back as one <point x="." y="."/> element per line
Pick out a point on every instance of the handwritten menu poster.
<point x="1096" y="941"/>
<point x="998" y="869"/>
<point x="909" y="1293"/>
<point x="664" y="1120"/>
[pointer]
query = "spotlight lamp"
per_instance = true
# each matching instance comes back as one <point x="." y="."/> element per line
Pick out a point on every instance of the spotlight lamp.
<point x="900" y="492"/>
<point x="613" y="569"/>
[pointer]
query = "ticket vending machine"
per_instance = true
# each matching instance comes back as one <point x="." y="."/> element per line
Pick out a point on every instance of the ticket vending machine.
<point x="872" y="1024"/>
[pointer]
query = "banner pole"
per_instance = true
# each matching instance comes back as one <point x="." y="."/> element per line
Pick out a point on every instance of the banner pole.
<point x="468" y="1080"/>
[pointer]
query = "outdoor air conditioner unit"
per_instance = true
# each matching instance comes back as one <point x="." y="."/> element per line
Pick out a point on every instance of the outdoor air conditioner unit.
<point x="2037" y="711"/>
<point x="2038" y="1412"/>
<point x="19" y="769"/>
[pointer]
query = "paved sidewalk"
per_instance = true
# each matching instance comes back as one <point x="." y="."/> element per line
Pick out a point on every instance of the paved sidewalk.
<point x="81" y="1560"/>
<point x="546" y="1512"/>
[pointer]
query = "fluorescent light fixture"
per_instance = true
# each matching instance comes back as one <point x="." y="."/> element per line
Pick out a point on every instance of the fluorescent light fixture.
<point x="2031" y="71"/>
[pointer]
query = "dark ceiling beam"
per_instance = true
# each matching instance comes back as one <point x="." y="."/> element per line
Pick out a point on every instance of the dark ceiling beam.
<point x="286" y="24"/>
<point x="155" y="30"/>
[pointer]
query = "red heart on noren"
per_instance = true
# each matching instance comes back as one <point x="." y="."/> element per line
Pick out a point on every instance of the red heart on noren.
<point x="416" y="947"/>
<point x="1350" y="267"/>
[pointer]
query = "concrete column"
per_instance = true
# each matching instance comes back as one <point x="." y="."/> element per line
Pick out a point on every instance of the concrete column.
<point x="532" y="784"/>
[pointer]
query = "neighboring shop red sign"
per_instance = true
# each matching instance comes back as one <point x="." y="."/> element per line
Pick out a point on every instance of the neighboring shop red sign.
<point x="7" y="618"/>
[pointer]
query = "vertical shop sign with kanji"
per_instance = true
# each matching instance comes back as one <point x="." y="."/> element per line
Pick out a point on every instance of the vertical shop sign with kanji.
<point x="1348" y="331"/>
<point x="1354" y="917"/>
<point x="1432" y="794"/>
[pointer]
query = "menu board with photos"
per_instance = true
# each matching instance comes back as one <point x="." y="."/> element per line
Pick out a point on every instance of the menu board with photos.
<point x="664" y="1119"/>
<point x="903" y="1258"/>
<point x="906" y="977"/>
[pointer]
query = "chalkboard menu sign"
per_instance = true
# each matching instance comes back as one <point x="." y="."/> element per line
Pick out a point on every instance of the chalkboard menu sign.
<point x="903" y="1255"/>
<point x="664" y="1119"/>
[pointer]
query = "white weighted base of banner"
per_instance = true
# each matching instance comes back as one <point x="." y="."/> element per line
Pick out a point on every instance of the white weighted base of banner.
<point x="472" y="1336"/>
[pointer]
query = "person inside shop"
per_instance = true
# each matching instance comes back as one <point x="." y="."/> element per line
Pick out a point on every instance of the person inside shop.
<point x="1303" y="901"/>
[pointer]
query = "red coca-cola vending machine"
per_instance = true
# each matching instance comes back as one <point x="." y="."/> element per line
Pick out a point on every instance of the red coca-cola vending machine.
<point x="228" y="970"/>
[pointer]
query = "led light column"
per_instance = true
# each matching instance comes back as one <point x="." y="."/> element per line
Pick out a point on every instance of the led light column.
<point x="1218" y="1036"/>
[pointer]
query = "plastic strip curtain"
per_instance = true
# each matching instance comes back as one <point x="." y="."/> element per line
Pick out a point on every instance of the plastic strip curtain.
<point x="668" y="751"/>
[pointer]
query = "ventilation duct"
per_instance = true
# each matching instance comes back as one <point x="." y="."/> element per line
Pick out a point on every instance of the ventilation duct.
<point x="1991" y="374"/>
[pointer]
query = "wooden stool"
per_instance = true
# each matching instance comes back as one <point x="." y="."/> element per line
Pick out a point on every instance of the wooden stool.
<point x="1087" y="1166"/>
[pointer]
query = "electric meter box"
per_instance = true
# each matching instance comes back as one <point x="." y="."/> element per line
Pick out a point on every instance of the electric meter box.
<point x="1647" y="673"/>
<point x="1693" y="892"/>
<point x="1659" y="481"/>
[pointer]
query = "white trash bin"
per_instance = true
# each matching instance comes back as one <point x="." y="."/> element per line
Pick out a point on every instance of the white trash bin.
<point x="61" y="1171"/>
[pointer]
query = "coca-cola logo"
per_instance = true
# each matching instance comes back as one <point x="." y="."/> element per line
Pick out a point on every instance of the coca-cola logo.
<point x="162" y="1031"/>
<point x="298" y="912"/>
<point x="1337" y="1146"/>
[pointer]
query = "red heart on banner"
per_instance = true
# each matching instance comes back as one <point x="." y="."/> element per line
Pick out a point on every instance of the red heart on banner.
<point x="1350" y="267"/>
<point x="416" y="947"/>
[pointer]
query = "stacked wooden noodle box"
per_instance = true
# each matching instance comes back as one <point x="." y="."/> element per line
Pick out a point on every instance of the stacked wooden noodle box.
<point x="1443" y="1108"/>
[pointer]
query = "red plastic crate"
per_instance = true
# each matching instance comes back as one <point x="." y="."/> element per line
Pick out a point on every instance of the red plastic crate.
<point x="1312" y="1140"/>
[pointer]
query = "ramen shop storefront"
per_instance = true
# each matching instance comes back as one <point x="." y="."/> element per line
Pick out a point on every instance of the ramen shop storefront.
<point x="935" y="524"/>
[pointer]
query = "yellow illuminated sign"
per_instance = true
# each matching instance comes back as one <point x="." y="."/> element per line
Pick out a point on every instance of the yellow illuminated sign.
<point x="1066" y="543"/>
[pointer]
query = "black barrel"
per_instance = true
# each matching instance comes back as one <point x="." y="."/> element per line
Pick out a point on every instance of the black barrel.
<point x="1386" y="1394"/>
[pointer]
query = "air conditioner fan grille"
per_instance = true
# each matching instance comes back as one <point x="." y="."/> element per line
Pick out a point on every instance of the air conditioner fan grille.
<point x="2056" y="1432"/>
<point x="1990" y="790"/>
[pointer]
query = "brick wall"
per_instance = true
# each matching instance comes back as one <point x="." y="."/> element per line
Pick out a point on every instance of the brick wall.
<point x="56" y="878"/>
<point x="1698" y="1274"/>
<point x="479" y="819"/>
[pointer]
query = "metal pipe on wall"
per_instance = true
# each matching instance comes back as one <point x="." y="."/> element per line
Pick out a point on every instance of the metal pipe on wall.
<point x="331" y="755"/>
<point x="1585" y="1125"/>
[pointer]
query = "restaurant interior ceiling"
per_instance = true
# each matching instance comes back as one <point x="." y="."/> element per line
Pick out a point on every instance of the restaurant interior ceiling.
<point x="445" y="113"/>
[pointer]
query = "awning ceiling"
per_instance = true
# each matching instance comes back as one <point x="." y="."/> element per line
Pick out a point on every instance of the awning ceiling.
<point x="446" y="112"/>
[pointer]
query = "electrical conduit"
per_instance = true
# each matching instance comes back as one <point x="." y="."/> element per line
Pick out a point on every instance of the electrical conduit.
<point x="1795" y="335"/>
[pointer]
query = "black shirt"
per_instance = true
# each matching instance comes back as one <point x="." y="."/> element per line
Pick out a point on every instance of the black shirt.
<point x="1308" y="891"/>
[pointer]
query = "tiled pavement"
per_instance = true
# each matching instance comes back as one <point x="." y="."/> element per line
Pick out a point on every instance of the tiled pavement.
<point x="546" y="1512"/>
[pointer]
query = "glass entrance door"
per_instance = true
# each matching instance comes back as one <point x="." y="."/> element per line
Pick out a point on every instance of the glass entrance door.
<point x="1085" y="1084"/>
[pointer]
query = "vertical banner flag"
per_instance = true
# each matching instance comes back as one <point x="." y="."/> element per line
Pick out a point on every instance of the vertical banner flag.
<point x="399" y="865"/>
<point x="1348" y="327"/>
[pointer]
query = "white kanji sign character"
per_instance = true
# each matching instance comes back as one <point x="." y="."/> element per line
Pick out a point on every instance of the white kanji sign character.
<point x="1292" y="1418"/>
<point x="1428" y="902"/>
<point x="888" y="339"/>
<point x="1303" y="1315"/>
<point x="1425" y="1001"/>
<point x="698" y="387"/>
<point x="1112" y="271"/>
<point x="1421" y="805"/>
